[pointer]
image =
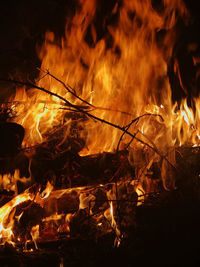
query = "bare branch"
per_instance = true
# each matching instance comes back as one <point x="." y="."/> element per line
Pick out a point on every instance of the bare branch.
<point x="69" y="89"/>
<point x="133" y="121"/>
<point x="78" y="108"/>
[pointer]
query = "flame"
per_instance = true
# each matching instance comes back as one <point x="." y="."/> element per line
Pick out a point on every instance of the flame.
<point x="54" y="220"/>
<point x="47" y="190"/>
<point x="119" y="77"/>
<point x="111" y="211"/>
<point x="121" y="82"/>
<point x="140" y="192"/>
<point x="116" y="82"/>
<point x="8" y="181"/>
<point x="86" y="201"/>
<point x="6" y="227"/>
<point x="35" y="234"/>
<point x="109" y="214"/>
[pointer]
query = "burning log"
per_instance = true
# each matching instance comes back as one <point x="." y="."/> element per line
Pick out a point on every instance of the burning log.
<point x="79" y="212"/>
<point x="61" y="201"/>
<point x="27" y="215"/>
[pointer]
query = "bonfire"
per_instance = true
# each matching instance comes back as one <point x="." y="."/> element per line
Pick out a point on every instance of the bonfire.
<point x="97" y="138"/>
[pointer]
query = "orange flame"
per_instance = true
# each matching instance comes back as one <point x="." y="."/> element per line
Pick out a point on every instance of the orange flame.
<point x="126" y="80"/>
<point x="6" y="227"/>
<point x="140" y="192"/>
<point x="122" y="81"/>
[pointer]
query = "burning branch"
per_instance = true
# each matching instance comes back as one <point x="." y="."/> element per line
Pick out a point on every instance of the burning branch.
<point x="31" y="85"/>
<point x="82" y="110"/>
<point x="68" y="88"/>
<point x="73" y="92"/>
<point x="135" y="121"/>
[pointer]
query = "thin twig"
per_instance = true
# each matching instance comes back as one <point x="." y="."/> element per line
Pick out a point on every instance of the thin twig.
<point x="144" y="115"/>
<point x="126" y="127"/>
<point x="73" y="92"/>
<point x="32" y="85"/>
<point x="28" y="84"/>
<point x="153" y="144"/>
<point x="133" y="121"/>
<point x="127" y="146"/>
<point x="69" y="89"/>
<point x="42" y="77"/>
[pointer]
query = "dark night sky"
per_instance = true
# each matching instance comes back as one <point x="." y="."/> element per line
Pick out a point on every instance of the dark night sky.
<point x="23" y="24"/>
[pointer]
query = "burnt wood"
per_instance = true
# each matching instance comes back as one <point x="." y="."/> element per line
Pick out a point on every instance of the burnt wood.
<point x="11" y="137"/>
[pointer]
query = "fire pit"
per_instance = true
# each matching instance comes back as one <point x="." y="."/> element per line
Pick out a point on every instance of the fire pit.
<point x="99" y="157"/>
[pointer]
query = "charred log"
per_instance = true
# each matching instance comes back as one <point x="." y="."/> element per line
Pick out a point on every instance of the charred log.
<point x="61" y="202"/>
<point x="11" y="136"/>
<point x="31" y="215"/>
<point x="69" y="169"/>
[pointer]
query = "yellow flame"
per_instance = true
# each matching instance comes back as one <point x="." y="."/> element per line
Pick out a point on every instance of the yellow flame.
<point x="111" y="213"/>
<point x="125" y="81"/>
<point x="35" y="234"/>
<point x="140" y="192"/>
<point x="122" y="81"/>
<point x="47" y="190"/>
<point x="6" y="228"/>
